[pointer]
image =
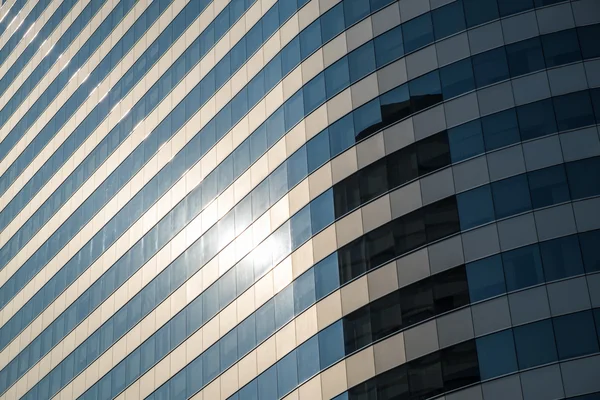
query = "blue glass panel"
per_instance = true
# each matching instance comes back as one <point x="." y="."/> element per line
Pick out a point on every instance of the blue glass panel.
<point x="500" y="129"/>
<point x="337" y="77"/>
<point x="561" y="258"/>
<point x="287" y="374"/>
<point x="361" y="61"/>
<point x="466" y="141"/>
<point x="548" y="186"/>
<point x="486" y="278"/>
<point x="457" y="78"/>
<point x="496" y="354"/>
<point x="511" y="196"/>
<point x="417" y="32"/>
<point x="480" y="11"/>
<point x="523" y="267"/>
<point x="590" y="249"/>
<point x="535" y="344"/>
<point x="448" y="20"/>
<point x="308" y="359"/>
<point x="331" y="344"/>
<point x="575" y="335"/>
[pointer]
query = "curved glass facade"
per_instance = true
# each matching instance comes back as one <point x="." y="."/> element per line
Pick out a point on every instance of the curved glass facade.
<point x="300" y="200"/>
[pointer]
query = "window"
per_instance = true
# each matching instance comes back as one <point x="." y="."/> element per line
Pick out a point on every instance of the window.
<point x="308" y="359"/>
<point x="459" y="365"/>
<point x="331" y="344"/>
<point x="346" y="195"/>
<point x="574" y="110"/>
<point x="522" y="267"/>
<point x="511" y="196"/>
<point x="441" y="219"/>
<point x="425" y="91"/>
<point x="379" y="247"/>
<point x="490" y="67"/>
<point x="535" y="344"/>
<point x="361" y="61"/>
<point x="395" y="104"/>
<point x="466" y="141"/>
<point x="548" y="186"/>
<point x="322" y="211"/>
<point x="561" y="48"/>
<point x="575" y="335"/>
<point x="496" y="354"/>
<point x="450" y="290"/>
<point x="326" y="276"/>
<point x="416" y="303"/>
<point x="393" y="384"/>
<point x="357" y="330"/>
<point x="367" y="119"/>
<point x="486" y="278"/>
<point x="372" y="180"/>
<point x="457" y="78"/>
<point x="402" y="166"/>
<point x="589" y="249"/>
<point x="352" y="260"/>
<point x="287" y="374"/>
<point x="448" y="20"/>
<point x="433" y="153"/>
<point x="341" y="135"/>
<point x="584" y="177"/>
<point x="267" y="384"/>
<point x="524" y="57"/>
<point x="480" y="11"/>
<point x="314" y="93"/>
<point x="425" y="376"/>
<point x="310" y="39"/>
<point x="355" y="10"/>
<point x="418" y="32"/>
<point x="332" y="22"/>
<point x="317" y="150"/>
<point x="561" y="258"/>
<point x="536" y="119"/>
<point x="588" y="40"/>
<point x="508" y="7"/>
<point x="386" y="315"/>
<point x="389" y="46"/>
<point x="500" y="129"/>
<point x="304" y="291"/>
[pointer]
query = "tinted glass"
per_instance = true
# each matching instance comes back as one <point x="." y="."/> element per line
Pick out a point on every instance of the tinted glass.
<point x="575" y="335"/>
<point x="486" y="278"/>
<point x="417" y="32"/>
<point x="561" y="258"/>
<point x="490" y="67"/>
<point x="535" y="344"/>
<point x="466" y="141"/>
<point x="523" y="267"/>
<point x="561" y="48"/>
<point x="525" y="57"/>
<point x="496" y="354"/>
<point x="500" y="129"/>
<point x="548" y="186"/>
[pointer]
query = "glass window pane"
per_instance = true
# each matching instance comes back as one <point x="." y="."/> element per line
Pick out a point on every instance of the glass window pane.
<point x="457" y="78"/>
<point x="480" y="11"/>
<point x="574" y="110"/>
<point x="523" y="267"/>
<point x="357" y="329"/>
<point x="508" y="7"/>
<point x="486" y="278"/>
<point x="584" y="178"/>
<point x="361" y="61"/>
<point x="561" y="258"/>
<point x="425" y="91"/>
<point x="490" y="67"/>
<point x="535" y="344"/>
<point x="575" y="335"/>
<point x="548" y="186"/>
<point x="331" y="344"/>
<point x="466" y="141"/>
<point x="425" y="376"/>
<point x="389" y="46"/>
<point x="500" y="129"/>
<point x="536" y="119"/>
<point x="448" y="20"/>
<point x="496" y="354"/>
<point x="561" y="48"/>
<point x="418" y="32"/>
<point x="511" y="196"/>
<point x="588" y="40"/>
<point x="590" y="249"/>
<point x="525" y="57"/>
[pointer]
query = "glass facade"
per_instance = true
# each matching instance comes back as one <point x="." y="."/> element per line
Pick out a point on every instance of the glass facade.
<point x="324" y="199"/>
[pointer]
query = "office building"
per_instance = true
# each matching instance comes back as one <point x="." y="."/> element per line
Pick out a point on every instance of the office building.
<point x="300" y="200"/>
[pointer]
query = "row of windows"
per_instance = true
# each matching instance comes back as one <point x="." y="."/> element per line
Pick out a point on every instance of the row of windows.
<point x="87" y="87"/>
<point x="50" y="93"/>
<point x="361" y="185"/>
<point x="538" y="343"/>
<point x="16" y="37"/>
<point x="468" y="362"/>
<point x="346" y="126"/>
<point x="521" y="193"/>
<point x="381" y="318"/>
<point x="44" y="65"/>
<point x="10" y="14"/>
<point x="534" y="264"/>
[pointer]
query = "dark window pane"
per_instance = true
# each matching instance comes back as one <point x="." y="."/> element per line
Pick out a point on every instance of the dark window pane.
<point x="574" y="110"/>
<point x="352" y="260"/>
<point x="511" y="196"/>
<point x="393" y="384"/>
<point x="364" y="391"/>
<point x="466" y="141"/>
<point x="486" y="278"/>
<point x="460" y="366"/>
<point x="418" y="32"/>
<point x="523" y="267"/>
<point x="355" y="10"/>
<point x="500" y="129"/>
<point x="588" y="40"/>
<point x="395" y="104"/>
<point x="367" y="119"/>
<point x="417" y="303"/>
<point x="373" y="180"/>
<point x="536" y="119"/>
<point x="575" y="335"/>
<point x="337" y="77"/>
<point x="490" y="67"/>
<point x="409" y="232"/>
<point x="425" y="91"/>
<point x="389" y="46"/>
<point x="433" y="153"/>
<point x="548" y="186"/>
<point x="441" y="219"/>
<point x="561" y="258"/>
<point x="361" y="61"/>
<point x="535" y="344"/>
<point x="496" y="354"/>
<point x="480" y="11"/>
<point x="357" y="329"/>
<point x="448" y="20"/>
<point x="386" y="315"/>
<point x="457" y="78"/>
<point x="584" y="178"/>
<point x="508" y="7"/>
<point x="379" y="247"/>
<point x="402" y="166"/>
<point x="425" y="376"/>
<point x="590" y="249"/>
<point x="341" y="135"/>
<point x="450" y="290"/>
<point x="561" y="48"/>
<point x="525" y="57"/>
<point x="475" y="207"/>
<point x="346" y="195"/>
